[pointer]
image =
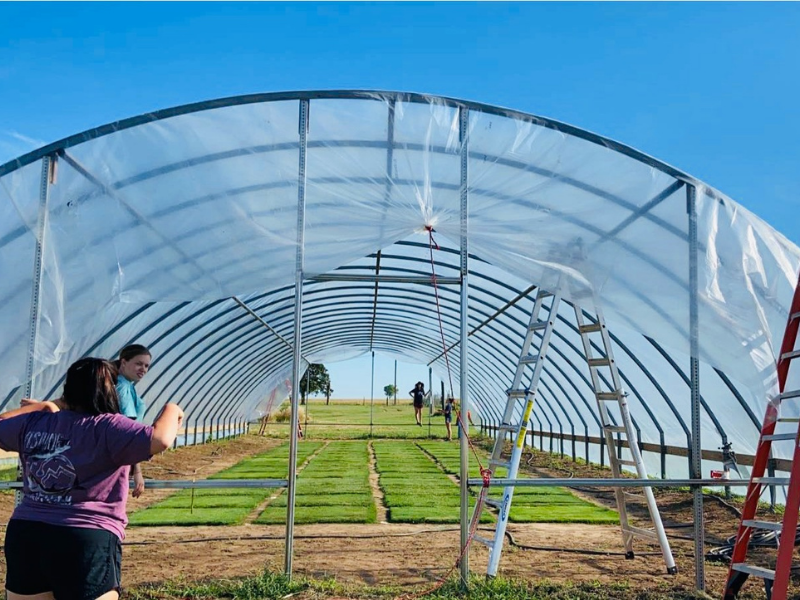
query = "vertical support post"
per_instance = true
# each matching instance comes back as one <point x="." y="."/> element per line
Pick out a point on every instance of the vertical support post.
<point x="463" y="121"/>
<point x="395" y="382"/>
<point x="371" y="393"/>
<point x="298" y="333"/>
<point x="48" y="166"/>
<point x="694" y="362"/>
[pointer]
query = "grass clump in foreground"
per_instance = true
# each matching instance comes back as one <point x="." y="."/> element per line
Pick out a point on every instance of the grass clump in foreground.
<point x="274" y="586"/>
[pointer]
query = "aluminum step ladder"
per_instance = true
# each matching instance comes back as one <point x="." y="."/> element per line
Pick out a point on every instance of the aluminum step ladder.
<point x="776" y="581"/>
<point x="613" y="403"/>
<point x="521" y="396"/>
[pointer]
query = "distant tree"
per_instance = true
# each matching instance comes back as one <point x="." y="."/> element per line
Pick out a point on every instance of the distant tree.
<point x="390" y="390"/>
<point x="316" y="380"/>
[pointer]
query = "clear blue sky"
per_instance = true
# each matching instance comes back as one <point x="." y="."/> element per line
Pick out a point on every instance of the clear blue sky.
<point x="711" y="88"/>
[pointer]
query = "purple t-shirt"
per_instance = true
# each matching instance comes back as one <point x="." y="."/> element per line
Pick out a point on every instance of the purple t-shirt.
<point x="76" y="467"/>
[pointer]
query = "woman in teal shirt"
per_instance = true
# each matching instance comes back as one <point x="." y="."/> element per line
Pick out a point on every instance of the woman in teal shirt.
<point x="133" y="364"/>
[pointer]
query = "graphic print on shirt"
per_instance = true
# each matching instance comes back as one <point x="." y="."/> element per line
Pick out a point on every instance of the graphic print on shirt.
<point x="50" y="474"/>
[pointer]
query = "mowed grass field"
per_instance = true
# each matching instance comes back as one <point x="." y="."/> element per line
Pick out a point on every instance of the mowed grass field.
<point x="417" y="477"/>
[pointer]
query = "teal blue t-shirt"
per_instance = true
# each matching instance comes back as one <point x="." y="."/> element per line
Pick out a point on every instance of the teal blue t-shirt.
<point x="130" y="403"/>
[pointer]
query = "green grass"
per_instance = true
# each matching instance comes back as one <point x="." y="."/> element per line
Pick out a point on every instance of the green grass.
<point x="220" y="506"/>
<point x="333" y="488"/>
<point x="274" y="586"/>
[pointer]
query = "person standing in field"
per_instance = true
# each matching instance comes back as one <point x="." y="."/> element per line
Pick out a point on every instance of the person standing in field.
<point x="448" y="417"/>
<point x="64" y="540"/>
<point x="418" y="394"/>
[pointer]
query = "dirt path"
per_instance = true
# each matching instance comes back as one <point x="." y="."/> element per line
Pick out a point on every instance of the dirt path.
<point x="377" y="492"/>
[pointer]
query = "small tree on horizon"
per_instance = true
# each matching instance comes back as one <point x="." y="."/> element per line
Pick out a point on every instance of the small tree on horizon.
<point x="390" y="390"/>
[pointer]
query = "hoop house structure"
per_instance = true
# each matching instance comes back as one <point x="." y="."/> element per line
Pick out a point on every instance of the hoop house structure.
<point x="244" y="238"/>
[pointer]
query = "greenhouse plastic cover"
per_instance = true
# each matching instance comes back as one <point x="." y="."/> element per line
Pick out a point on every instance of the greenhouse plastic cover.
<point x="179" y="230"/>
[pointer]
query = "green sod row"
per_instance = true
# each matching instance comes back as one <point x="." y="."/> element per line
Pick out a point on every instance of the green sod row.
<point x="529" y="504"/>
<point x="415" y="489"/>
<point x="220" y="506"/>
<point x="333" y="488"/>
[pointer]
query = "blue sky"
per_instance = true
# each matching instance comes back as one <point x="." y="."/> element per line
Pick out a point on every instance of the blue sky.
<point x="711" y="88"/>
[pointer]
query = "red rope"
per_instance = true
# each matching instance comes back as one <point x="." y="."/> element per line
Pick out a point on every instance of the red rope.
<point x="486" y="474"/>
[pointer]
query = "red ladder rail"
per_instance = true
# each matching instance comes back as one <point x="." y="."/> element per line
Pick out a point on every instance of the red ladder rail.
<point x="739" y="571"/>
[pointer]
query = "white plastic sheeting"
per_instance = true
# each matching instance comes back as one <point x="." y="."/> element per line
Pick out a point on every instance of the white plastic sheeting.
<point x="155" y="224"/>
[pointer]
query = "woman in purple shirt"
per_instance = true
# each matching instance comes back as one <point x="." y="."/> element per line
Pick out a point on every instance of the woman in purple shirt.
<point x="64" y="540"/>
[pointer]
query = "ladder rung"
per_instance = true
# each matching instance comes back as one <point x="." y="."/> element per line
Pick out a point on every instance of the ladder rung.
<point x="789" y="420"/>
<point x="507" y="427"/>
<point x="795" y="316"/>
<point x="627" y="463"/>
<point x="493" y="503"/>
<point x="609" y="396"/>
<point x="615" y="428"/>
<point x="493" y="462"/>
<point x="757" y="571"/>
<point x="640" y="532"/>
<point x="483" y="540"/>
<point x="776" y="437"/>
<point x="591" y="327"/>
<point x="537" y="325"/>
<point x="762" y="524"/>
<point x="517" y="393"/>
<point x="544" y="294"/>
<point x="528" y="359"/>
<point x="633" y="495"/>
<point x="599" y="362"/>
<point x="790" y="355"/>
<point x="788" y="395"/>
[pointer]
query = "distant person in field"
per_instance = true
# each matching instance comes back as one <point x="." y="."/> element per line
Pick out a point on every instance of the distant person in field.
<point x="418" y="394"/>
<point x="448" y="417"/>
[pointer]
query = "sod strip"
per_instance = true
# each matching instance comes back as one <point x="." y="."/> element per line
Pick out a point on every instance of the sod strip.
<point x="415" y="489"/>
<point x="333" y="488"/>
<point x="222" y="506"/>
<point x="531" y="505"/>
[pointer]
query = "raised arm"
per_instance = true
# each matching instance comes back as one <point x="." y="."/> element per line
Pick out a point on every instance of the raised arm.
<point x="30" y="407"/>
<point x="165" y="429"/>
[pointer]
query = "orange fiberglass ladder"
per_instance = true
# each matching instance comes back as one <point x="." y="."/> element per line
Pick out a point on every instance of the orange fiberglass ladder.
<point x="776" y="581"/>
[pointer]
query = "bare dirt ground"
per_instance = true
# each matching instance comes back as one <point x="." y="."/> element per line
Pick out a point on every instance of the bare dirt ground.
<point x="403" y="555"/>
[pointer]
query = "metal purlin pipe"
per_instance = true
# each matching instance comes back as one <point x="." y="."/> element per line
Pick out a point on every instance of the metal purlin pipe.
<point x="694" y="330"/>
<point x="463" y="122"/>
<point x="48" y="166"/>
<point x="298" y="337"/>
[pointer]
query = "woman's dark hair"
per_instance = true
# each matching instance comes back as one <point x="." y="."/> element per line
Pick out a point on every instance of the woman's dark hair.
<point x="91" y="387"/>
<point x="129" y="352"/>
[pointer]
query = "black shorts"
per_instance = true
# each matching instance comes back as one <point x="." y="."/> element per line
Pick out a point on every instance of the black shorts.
<point x="72" y="562"/>
<point x="448" y="418"/>
<point x="417" y="404"/>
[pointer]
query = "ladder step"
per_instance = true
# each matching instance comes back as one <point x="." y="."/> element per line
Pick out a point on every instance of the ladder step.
<point x="499" y="463"/>
<point x="640" y="532"/>
<point x="537" y="325"/>
<point x="627" y="463"/>
<point x="507" y="427"/>
<point x="788" y="395"/>
<point x="483" y="540"/>
<point x="528" y="359"/>
<point x="633" y="495"/>
<point x="591" y="327"/>
<point x="599" y="362"/>
<point x="790" y="355"/>
<point x="609" y="396"/>
<point x="752" y="570"/>
<point x="789" y="420"/>
<point x="769" y="525"/>
<point x="775" y="437"/>
<point x="517" y="393"/>
<point x="615" y="428"/>
<point x="493" y="503"/>
<point x="544" y="294"/>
